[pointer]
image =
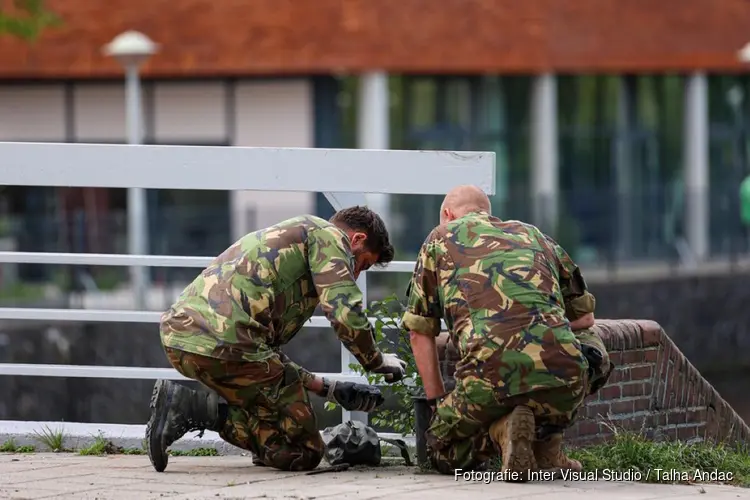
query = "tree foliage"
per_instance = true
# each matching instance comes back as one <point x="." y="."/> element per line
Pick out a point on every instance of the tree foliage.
<point x="26" y="19"/>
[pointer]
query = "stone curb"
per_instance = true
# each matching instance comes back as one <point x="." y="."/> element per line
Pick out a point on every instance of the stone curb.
<point x="81" y="435"/>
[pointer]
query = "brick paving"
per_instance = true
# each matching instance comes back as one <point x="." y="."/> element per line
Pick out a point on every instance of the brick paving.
<point x="120" y="477"/>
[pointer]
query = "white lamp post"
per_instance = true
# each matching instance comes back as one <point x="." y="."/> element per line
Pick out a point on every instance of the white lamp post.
<point x="132" y="49"/>
<point x="744" y="53"/>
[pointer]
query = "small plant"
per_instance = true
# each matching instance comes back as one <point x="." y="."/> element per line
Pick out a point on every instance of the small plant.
<point x="100" y="446"/>
<point x="133" y="451"/>
<point x="10" y="446"/>
<point x="197" y="452"/>
<point x="54" y="440"/>
<point x="387" y="316"/>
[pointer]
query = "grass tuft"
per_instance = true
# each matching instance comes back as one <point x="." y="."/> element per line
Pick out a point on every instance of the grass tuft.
<point x="133" y="451"/>
<point x="10" y="446"/>
<point x="54" y="440"/>
<point x="101" y="446"/>
<point x="687" y="462"/>
<point x="197" y="452"/>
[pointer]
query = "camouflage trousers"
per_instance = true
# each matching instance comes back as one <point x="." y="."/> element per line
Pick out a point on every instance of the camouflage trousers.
<point x="458" y="436"/>
<point x="269" y="410"/>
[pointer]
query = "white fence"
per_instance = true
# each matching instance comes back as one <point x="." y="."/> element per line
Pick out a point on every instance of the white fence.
<point x="342" y="175"/>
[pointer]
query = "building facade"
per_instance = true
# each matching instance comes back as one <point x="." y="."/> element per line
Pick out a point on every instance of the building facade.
<point x="619" y="128"/>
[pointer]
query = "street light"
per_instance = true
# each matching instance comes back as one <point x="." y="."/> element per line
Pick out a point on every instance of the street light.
<point x="744" y="53"/>
<point x="131" y="49"/>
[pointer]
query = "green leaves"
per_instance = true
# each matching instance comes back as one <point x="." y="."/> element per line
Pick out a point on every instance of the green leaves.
<point x="400" y="417"/>
<point x="27" y="20"/>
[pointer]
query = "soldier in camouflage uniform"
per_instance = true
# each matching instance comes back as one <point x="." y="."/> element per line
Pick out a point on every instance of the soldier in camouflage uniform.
<point x="226" y="328"/>
<point x="499" y="287"/>
<point x="579" y="309"/>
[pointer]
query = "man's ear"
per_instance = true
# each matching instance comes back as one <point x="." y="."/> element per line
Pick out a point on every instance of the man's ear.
<point x="358" y="238"/>
<point x="447" y="214"/>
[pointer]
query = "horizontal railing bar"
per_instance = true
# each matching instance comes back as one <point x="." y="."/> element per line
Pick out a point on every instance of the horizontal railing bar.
<point x="114" y="316"/>
<point x="82" y="315"/>
<point x="122" y="372"/>
<point x="244" y="168"/>
<point x="104" y="259"/>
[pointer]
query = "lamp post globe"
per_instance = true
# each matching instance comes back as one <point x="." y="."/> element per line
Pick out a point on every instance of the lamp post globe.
<point x="744" y="53"/>
<point x="131" y="48"/>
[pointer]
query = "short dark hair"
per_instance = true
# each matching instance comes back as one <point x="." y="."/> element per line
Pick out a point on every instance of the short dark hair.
<point x="365" y="220"/>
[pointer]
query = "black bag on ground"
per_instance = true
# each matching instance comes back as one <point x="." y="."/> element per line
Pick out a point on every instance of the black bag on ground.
<point x="354" y="443"/>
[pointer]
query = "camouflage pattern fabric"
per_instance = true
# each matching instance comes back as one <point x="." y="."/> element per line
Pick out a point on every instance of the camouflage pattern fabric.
<point x="498" y="285"/>
<point x="269" y="411"/>
<point x="458" y="435"/>
<point x="579" y="302"/>
<point x="256" y="296"/>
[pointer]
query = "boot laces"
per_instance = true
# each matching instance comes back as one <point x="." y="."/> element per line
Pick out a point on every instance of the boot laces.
<point x="192" y="425"/>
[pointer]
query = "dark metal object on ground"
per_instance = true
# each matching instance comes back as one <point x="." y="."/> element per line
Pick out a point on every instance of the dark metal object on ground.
<point x="333" y="468"/>
<point x="401" y="445"/>
<point x="422" y="417"/>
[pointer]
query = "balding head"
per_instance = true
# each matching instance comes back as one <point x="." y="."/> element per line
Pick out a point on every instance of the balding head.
<point x="463" y="200"/>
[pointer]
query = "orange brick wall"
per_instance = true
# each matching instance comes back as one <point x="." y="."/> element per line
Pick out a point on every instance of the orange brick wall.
<point x="654" y="390"/>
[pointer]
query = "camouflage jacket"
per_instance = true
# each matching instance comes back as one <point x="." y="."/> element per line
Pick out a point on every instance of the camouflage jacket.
<point x="500" y="286"/>
<point x="257" y="295"/>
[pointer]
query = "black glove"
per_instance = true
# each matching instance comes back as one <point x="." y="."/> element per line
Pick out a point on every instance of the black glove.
<point x="601" y="381"/>
<point x="593" y="356"/>
<point x="597" y="379"/>
<point x="351" y="396"/>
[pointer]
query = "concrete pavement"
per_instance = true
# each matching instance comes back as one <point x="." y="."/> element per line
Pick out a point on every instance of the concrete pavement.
<point x="120" y="477"/>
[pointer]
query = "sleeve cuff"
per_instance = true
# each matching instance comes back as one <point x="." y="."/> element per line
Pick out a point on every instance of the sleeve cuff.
<point x="420" y="324"/>
<point x="373" y="363"/>
<point x="307" y="377"/>
<point x="580" y="306"/>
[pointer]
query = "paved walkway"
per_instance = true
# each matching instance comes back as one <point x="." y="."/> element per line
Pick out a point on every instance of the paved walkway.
<point x="123" y="477"/>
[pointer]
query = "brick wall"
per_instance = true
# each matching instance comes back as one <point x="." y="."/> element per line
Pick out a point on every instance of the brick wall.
<point x="654" y="390"/>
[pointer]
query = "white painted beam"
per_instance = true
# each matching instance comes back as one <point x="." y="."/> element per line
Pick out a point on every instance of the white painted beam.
<point x="243" y="168"/>
<point x="345" y="200"/>
<point x="112" y="316"/>
<point x="105" y="259"/>
<point x="122" y="372"/>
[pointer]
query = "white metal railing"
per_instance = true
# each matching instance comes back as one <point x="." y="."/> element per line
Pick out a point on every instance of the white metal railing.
<point x="124" y="316"/>
<point x="342" y="175"/>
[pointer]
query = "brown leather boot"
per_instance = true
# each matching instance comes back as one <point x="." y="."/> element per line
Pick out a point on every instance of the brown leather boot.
<point x="515" y="435"/>
<point x="549" y="455"/>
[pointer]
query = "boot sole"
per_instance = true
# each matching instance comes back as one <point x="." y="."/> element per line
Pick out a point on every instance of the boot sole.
<point x="155" y="427"/>
<point x="519" y="457"/>
<point x="556" y="472"/>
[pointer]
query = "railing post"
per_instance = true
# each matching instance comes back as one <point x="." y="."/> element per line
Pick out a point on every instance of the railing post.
<point x="347" y="359"/>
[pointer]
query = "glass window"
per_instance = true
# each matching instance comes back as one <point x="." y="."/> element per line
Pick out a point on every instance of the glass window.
<point x="729" y="104"/>
<point x="620" y="158"/>
<point x="488" y="113"/>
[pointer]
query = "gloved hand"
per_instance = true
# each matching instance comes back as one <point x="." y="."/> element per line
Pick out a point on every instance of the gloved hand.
<point x="351" y="396"/>
<point x="392" y="367"/>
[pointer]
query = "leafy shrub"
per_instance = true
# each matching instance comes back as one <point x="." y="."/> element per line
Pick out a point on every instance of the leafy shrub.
<point x="387" y="315"/>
